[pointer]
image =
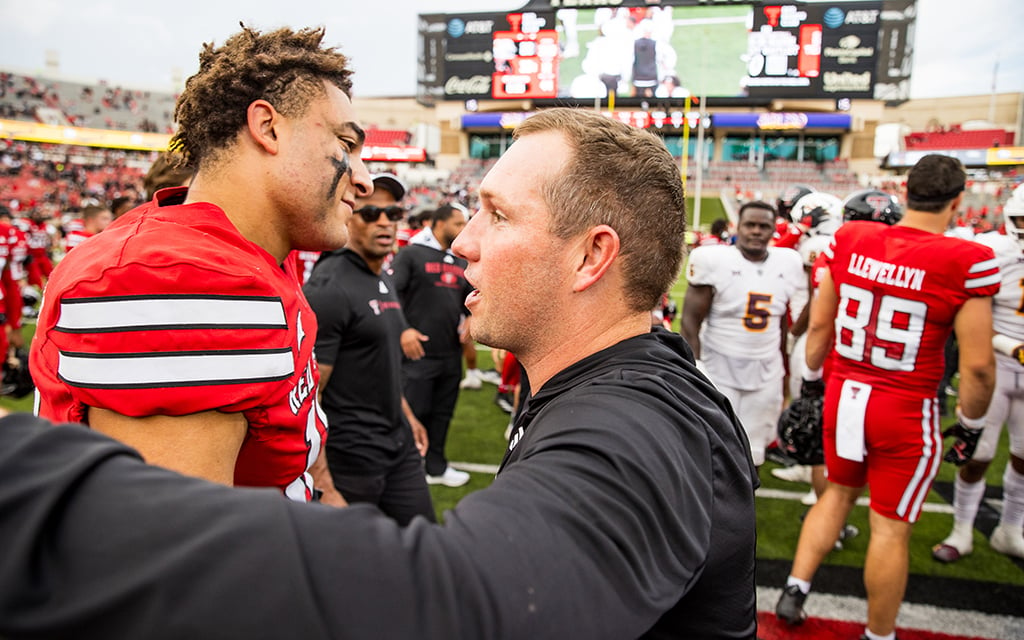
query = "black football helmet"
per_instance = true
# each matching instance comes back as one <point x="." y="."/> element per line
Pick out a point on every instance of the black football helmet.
<point x="789" y="197"/>
<point x="17" y="381"/>
<point x="872" y="205"/>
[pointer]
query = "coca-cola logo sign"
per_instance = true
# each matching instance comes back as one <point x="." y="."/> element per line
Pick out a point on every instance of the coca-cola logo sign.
<point x="472" y="86"/>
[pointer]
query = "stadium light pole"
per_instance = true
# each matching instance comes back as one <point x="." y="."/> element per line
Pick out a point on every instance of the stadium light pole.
<point x="698" y="188"/>
<point x="686" y="140"/>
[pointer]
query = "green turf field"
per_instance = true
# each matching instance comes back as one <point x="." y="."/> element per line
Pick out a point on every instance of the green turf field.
<point x="476" y="437"/>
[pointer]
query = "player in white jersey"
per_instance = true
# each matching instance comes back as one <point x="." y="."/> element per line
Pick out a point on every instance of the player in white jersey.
<point x="1007" y="406"/>
<point x="735" y="319"/>
<point x="818" y="215"/>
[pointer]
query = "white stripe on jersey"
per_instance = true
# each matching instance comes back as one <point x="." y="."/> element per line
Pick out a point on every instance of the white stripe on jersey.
<point x="984" y="265"/>
<point x="135" y="313"/>
<point x="977" y="283"/>
<point x="983" y="281"/>
<point x="189" y="368"/>
<point x="927" y="466"/>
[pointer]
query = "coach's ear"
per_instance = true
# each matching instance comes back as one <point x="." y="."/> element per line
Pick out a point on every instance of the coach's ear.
<point x="597" y="251"/>
<point x="262" y="122"/>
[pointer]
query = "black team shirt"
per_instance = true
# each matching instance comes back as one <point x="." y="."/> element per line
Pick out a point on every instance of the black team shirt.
<point x="360" y="325"/>
<point x="433" y="288"/>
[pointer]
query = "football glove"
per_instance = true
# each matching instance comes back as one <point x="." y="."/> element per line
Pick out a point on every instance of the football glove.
<point x="966" y="442"/>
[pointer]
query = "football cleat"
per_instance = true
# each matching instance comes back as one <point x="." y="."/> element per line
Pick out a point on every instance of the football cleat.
<point x="504" y="400"/>
<point x="796" y="473"/>
<point x="956" y="545"/>
<point x="790" y="607"/>
<point x="490" y="376"/>
<point x="471" y="381"/>
<point x="451" y="477"/>
<point x="1008" y="540"/>
<point x="848" y="532"/>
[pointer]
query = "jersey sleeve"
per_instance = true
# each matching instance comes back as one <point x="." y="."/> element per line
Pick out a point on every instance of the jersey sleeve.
<point x="146" y="340"/>
<point x="983" y="276"/>
<point x="701" y="267"/>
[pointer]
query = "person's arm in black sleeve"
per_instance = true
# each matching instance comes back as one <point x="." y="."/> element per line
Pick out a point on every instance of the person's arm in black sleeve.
<point x="565" y="543"/>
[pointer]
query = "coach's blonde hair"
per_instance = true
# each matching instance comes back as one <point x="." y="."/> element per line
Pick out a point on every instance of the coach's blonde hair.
<point x="623" y="177"/>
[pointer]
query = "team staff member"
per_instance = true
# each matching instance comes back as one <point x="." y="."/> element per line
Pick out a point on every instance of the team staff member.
<point x="887" y="304"/>
<point x="624" y="507"/>
<point x="374" y="443"/>
<point x="432" y="286"/>
<point x="181" y="329"/>
<point x="734" y="318"/>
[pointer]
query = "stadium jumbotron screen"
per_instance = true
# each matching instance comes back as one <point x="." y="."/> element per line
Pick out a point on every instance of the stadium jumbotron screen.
<point x="641" y="50"/>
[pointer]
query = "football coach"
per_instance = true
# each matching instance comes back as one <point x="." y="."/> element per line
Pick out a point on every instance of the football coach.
<point x="624" y="507"/>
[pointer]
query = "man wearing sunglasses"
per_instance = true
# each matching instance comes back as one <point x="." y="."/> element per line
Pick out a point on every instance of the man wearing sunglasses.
<point x="375" y="444"/>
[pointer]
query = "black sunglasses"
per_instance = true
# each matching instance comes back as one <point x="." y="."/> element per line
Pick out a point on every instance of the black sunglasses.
<point x="371" y="213"/>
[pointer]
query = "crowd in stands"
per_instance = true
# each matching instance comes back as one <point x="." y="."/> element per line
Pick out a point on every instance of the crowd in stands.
<point x="79" y="104"/>
<point x="67" y="177"/>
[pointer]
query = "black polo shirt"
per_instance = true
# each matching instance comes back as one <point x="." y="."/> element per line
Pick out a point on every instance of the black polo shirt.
<point x="360" y="324"/>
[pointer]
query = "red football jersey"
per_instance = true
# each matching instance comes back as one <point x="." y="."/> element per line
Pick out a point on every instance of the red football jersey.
<point x="170" y="311"/>
<point x="76" y="237"/>
<point x="786" y="234"/>
<point x="304" y="263"/>
<point x="13" y="273"/>
<point x="899" y="290"/>
<point x="39" y="235"/>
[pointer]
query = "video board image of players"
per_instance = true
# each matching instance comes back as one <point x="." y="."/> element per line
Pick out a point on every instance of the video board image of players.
<point x="653" y="52"/>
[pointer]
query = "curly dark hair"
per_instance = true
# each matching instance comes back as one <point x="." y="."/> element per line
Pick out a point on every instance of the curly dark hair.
<point x="284" y="67"/>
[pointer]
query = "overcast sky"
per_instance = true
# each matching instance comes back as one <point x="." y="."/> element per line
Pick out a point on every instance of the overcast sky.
<point x="126" y="42"/>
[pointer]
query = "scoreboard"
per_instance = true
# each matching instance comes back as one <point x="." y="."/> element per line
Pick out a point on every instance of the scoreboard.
<point x="566" y="51"/>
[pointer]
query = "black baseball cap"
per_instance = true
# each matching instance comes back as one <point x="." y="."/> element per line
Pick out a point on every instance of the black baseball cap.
<point x="390" y="183"/>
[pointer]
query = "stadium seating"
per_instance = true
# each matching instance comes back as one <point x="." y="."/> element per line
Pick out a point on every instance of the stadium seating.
<point x="956" y="138"/>
<point x="85" y="105"/>
<point x="749" y="183"/>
